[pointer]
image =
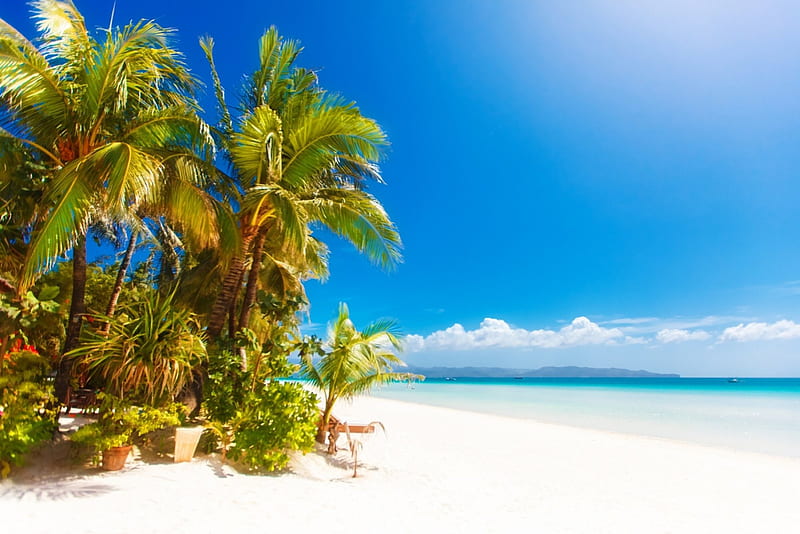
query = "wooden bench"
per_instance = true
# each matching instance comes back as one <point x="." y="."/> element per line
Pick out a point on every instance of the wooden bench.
<point x="81" y="398"/>
<point x="337" y="427"/>
<point x="356" y="428"/>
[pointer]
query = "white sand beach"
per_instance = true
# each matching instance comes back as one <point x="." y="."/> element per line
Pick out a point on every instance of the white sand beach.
<point x="437" y="470"/>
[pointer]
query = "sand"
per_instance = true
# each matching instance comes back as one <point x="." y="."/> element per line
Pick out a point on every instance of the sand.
<point x="436" y="470"/>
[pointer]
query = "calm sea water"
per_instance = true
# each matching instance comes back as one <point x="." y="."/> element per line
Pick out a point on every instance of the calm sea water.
<point x="754" y="414"/>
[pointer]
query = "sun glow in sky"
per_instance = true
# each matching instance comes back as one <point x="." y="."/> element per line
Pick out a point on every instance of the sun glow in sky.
<point x="603" y="183"/>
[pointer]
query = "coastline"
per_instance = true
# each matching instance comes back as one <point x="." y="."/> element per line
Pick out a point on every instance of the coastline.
<point x="436" y="469"/>
<point x="758" y="415"/>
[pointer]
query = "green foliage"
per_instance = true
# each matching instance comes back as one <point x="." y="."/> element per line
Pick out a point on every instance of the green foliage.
<point x="27" y="413"/>
<point x="276" y="327"/>
<point x="33" y="320"/>
<point x="280" y="417"/>
<point x="257" y="421"/>
<point x="122" y="423"/>
<point x="150" y="350"/>
<point x="23" y="312"/>
<point x="100" y="278"/>
<point x="226" y="387"/>
<point x="27" y="407"/>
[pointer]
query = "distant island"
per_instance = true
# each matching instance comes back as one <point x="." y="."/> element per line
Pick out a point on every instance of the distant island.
<point x="543" y="372"/>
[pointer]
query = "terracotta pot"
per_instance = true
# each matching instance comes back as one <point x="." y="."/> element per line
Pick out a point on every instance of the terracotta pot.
<point x="114" y="458"/>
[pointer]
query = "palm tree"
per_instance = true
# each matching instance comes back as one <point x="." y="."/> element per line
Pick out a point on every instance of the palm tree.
<point x="100" y="118"/>
<point x="301" y="156"/>
<point x="353" y="362"/>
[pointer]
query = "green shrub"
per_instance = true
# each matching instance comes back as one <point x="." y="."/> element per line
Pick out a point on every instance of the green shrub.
<point x="122" y="423"/>
<point x="27" y="407"/>
<point x="279" y="417"/>
<point x="226" y="387"/>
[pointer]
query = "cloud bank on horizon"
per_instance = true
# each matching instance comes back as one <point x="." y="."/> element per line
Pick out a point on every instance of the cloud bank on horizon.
<point x="581" y="331"/>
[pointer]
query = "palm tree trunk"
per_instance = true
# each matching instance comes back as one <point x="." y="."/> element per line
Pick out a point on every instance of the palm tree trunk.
<point x="252" y="278"/>
<point x="76" y="311"/>
<point x="322" y="429"/>
<point x="123" y="268"/>
<point x="230" y="288"/>
<point x="192" y="395"/>
<point x="232" y="320"/>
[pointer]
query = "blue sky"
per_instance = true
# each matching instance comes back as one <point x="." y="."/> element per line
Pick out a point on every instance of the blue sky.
<point x="603" y="183"/>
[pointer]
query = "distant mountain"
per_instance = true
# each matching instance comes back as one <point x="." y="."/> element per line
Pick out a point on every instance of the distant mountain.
<point x="544" y="372"/>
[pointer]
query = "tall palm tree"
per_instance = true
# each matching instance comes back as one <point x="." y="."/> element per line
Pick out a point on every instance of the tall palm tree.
<point x="302" y="157"/>
<point x="101" y="117"/>
<point x="353" y="362"/>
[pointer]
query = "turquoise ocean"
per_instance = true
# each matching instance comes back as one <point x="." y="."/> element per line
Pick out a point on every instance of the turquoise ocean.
<point x="753" y="414"/>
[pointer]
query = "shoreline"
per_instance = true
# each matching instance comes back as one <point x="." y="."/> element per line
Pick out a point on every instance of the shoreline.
<point x="619" y="433"/>
<point x="612" y="432"/>
<point x="437" y="469"/>
<point x="755" y="419"/>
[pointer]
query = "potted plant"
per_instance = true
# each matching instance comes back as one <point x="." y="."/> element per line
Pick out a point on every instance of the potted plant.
<point x="120" y="424"/>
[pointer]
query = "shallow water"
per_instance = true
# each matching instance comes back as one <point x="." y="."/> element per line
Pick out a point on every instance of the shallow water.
<point x="755" y="414"/>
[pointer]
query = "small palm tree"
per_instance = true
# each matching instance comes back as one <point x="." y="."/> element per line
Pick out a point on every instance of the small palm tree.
<point x="353" y="362"/>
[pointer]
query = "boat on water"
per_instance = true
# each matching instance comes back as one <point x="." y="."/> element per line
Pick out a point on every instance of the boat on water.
<point x="450" y="378"/>
<point x="733" y="380"/>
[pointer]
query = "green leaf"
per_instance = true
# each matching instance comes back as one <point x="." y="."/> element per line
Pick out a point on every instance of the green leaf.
<point x="48" y="293"/>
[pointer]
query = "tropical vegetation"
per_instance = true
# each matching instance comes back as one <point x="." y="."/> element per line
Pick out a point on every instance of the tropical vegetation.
<point x="216" y="229"/>
<point x="109" y="131"/>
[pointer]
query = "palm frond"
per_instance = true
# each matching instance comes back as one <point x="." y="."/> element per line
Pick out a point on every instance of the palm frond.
<point x="230" y="239"/>
<point x="30" y="89"/>
<point x="288" y="212"/>
<point x="192" y="210"/>
<point x="279" y="278"/>
<point x="170" y="127"/>
<point x="130" y="176"/>
<point x="359" y="218"/>
<point x="256" y="149"/>
<point x="225" y="122"/>
<point x="71" y="195"/>
<point x="383" y="330"/>
<point x="63" y="30"/>
<point x="136" y="69"/>
<point x="315" y="258"/>
<point x="327" y="132"/>
<point x="271" y="84"/>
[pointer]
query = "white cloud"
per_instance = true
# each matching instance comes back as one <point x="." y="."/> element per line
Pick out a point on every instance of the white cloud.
<point x="784" y="329"/>
<point x="631" y="320"/>
<point x="413" y="343"/>
<point x="676" y="335"/>
<point x="653" y="325"/>
<point x="497" y="333"/>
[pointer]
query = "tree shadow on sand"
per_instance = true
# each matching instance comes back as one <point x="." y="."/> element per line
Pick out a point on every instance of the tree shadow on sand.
<point x="319" y="465"/>
<point x="53" y="473"/>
